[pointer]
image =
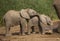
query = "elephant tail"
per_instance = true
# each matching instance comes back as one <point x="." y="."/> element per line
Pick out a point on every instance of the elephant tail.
<point x="3" y="21"/>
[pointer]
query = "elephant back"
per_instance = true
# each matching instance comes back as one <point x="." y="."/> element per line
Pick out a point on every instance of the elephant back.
<point x="24" y="14"/>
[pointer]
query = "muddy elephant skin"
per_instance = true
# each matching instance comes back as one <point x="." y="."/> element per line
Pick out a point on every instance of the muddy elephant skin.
<point x="12" y="18"/>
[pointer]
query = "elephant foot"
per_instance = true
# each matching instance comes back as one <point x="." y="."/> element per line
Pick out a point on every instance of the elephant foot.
<point x="34" y="32"/>
<point x="43" y="33"/>
<point x="8" y="35"/>
<point x="39" y="32"/>
<point x="51" y="31"/>
<point x="29" y="33"/>
<point x="23" y="34"/>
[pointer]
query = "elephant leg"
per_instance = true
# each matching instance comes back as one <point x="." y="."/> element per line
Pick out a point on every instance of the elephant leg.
<point x="43" y="31"/>
<point x="8" y="30"/>
<point x="43" y="28"/>
<point x="51" y="29"/>
<point x="36" y="29"/>
<point x="29" y="25"/>
<point x="24" y="26"/>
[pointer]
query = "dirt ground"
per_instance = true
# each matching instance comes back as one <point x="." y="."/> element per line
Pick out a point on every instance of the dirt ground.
<point x="32" y="37"/>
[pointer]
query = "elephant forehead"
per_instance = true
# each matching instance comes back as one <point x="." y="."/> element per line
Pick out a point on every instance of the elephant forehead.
<point x="32" y="12"/>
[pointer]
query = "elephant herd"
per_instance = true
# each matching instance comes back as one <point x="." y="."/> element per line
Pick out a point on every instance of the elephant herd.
<point x="28" y="18"/>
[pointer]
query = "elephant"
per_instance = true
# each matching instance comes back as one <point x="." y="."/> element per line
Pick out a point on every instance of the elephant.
<point x="56" y="5"/>
<point x="46" y="24"/>
<point x="33" y="23"/>
<point x="56" y="26"/>
<point x="13" y="17"/>
<point x="32" y="13"/>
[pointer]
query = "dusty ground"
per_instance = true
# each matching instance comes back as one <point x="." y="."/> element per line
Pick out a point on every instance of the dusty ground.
<point x="32" y="37"/>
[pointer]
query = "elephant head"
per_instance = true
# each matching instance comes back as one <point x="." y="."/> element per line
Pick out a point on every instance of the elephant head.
<point x="28" y="13"/>
<point x="46" y="19"/>
<point x="46" y="24"/>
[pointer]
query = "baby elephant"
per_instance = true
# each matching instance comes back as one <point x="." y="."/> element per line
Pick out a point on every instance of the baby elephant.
<point x="33" y="23"/>
<point x="12" y="18"/>
<point x="46" y="24"/>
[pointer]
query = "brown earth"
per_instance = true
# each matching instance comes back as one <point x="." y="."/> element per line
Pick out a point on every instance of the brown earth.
<point x="32" y="37"/>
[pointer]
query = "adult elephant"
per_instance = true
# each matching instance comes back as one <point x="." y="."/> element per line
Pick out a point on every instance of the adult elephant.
<point x="12" y="18"/>
<point x="56" y="5"/>
<point x="46" y="24"/>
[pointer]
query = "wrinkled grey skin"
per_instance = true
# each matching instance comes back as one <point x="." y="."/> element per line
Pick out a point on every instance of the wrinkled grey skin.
<point x="46" y="24"/>
<point x="12" y="18"/>
<point x="33" y="22"/>
<point x="33" y="17"/>
<point x="45" y="21"/>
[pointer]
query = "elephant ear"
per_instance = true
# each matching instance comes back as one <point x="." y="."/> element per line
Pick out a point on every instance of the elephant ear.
<point x="24" y="14"/>
<point x="48" y="20"/>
